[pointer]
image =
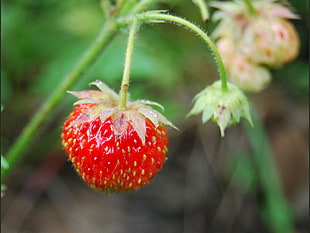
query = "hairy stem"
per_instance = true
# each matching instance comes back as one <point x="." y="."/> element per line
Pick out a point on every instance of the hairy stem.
<point x="128" y="61"/>
<point x="16" y="151"/>
<point x="160" y="17"/>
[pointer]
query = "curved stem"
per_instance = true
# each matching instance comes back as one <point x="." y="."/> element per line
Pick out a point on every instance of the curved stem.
<point x="16" y="151"/>
<point x="159" y="18"/>
<point x="128" y="61"/>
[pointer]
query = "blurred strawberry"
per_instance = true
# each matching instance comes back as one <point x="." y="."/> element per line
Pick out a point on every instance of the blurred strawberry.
<point x="242" y="71"/>
<point x="263" y="36"/>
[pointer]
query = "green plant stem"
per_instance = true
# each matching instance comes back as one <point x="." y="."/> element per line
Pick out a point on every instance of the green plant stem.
<point x="250" y="6"/>
<point x="203" y="9"/>
<point x="128" y="61"/>
<point x="159" y="18"/>
<point x="276" y="210"/>
<point x="16" y="151"/>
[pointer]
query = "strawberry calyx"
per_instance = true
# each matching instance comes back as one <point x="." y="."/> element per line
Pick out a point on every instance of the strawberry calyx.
<point x="104" y="104"/>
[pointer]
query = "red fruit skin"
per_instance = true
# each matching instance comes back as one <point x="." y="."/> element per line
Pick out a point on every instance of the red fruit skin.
<point x="112" y="164"/>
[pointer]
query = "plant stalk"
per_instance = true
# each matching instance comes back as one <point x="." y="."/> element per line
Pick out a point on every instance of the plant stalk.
<point x="128" y="62"/>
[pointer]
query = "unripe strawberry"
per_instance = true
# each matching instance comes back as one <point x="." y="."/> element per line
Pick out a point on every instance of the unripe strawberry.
<point x="242" y="71"/>
<point x="275" y="46"/>
<point x="249" y="76"/>
<point x="115" y="149"/>
<point x="264" y="36"/>
<point x="224" y="107"/>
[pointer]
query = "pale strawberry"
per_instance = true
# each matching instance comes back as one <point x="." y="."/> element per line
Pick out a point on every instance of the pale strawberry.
<point x="264" y="36"/>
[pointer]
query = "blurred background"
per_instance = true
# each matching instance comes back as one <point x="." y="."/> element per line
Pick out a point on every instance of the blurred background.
<point x="208" y="184"/>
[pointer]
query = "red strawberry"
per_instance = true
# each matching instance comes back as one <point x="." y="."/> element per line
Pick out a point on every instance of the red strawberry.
<point x="114" y="149"/>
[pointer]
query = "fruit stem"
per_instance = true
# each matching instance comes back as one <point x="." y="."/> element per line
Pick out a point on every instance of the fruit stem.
<point x="128" y="61"/>
<point x="160" y="17"/>
<point x="16" y="151"/>
<point x="250" y="6"/>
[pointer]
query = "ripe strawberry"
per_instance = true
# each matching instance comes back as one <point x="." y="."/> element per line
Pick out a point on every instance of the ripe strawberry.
<point x="114" y="149"/>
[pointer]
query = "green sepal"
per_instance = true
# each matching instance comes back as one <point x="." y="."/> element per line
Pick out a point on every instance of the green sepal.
<point x="224" y="107"/>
